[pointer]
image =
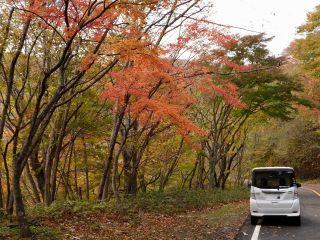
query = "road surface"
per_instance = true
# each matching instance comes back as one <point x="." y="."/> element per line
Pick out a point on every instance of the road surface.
<point x="282" y="229"/>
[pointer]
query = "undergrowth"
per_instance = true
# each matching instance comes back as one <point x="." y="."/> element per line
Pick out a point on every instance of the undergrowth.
<point x="168" y="202"/>
<point x="161" y="202"/>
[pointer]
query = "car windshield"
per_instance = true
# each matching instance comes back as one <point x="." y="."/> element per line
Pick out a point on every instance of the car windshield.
<point x="273" y="179"/>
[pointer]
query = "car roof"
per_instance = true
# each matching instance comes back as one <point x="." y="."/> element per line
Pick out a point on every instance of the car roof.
<point x="272" y="168"/>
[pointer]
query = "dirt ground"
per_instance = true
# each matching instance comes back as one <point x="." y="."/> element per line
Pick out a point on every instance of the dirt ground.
<point x="219" y="222"/>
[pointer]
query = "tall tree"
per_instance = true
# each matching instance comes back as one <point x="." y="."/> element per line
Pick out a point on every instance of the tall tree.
<point x="264" y="88"/>
<point x="59" y="50"/>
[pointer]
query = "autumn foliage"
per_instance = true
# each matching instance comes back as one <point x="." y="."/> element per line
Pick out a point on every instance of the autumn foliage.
<point x="155" y="82"/>
<point x="100" y="98"/>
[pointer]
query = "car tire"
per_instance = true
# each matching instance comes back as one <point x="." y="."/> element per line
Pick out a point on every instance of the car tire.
<point x="254" y="220"/>
<point x="297" y="221"/>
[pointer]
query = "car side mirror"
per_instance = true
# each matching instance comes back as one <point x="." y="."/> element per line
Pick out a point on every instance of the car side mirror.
<point x="298" y="184"/>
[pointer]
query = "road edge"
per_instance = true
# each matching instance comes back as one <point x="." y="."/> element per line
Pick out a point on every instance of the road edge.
<point x="312" y="190"/>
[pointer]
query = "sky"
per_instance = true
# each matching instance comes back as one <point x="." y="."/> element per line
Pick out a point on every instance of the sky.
<point x="278" y="18"/>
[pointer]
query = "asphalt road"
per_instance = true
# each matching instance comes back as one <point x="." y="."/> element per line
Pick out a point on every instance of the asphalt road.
<point x="282" y="228"/>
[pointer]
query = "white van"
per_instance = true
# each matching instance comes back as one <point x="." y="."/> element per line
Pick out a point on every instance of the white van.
<point x="274" y="192"/>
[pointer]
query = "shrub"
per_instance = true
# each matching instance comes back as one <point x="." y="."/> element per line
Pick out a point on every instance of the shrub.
<point x="174" y="200"/>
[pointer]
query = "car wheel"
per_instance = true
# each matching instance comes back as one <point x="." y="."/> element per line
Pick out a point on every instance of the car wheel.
<point x="297" y="221"/>
<point x="254" y="220"/>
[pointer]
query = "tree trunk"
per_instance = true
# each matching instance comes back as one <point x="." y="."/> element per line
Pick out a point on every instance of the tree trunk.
<point x="49" y="161"/>
<point x="10" y="201"/>
<point x="212" y="174"/>
<point x="1" y="194"/>
<point x="75" y="175"/>
<point x="200" y="180"/>
<point x="32" y="184"/>
<point x="68" y="188"/>
<point x="56" y="158"/>
<point x="130" y="172"/>
<point x="143" y="185"/>
<point x="8" y="185"/>
<point x="172" y="166"/>
<point x="193" y="171"/>
<point x="105" y="179"/>
<point x="86" y="169"/>
<point x="133" y="182"/>
<point x="25" y="231"/>
<point x="115" y="168"/>
<point x="38" y="170"/>
<point x="19" y="206"/>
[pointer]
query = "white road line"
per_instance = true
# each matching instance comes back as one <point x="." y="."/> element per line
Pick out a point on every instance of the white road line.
<point x="314" y="191"/>
<point x="256" y="232"/>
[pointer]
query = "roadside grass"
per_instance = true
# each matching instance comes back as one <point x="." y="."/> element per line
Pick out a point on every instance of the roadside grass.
<point x="223" y="222"/>
<point x="168" y="202"/>
<point x="170" y="213"/>
<point x="226" y="215"/>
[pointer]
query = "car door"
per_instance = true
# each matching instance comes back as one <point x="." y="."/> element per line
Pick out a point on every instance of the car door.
<point x="274" y="198"/>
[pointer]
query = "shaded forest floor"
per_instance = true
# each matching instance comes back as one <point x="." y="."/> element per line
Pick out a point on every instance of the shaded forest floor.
<point x="219" y="219"/>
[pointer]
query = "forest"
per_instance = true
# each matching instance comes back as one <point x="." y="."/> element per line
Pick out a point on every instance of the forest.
<point x="104" y="100"/>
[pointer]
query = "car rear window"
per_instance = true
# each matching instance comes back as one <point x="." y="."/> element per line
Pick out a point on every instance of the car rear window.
<point x="273" y="179"/>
